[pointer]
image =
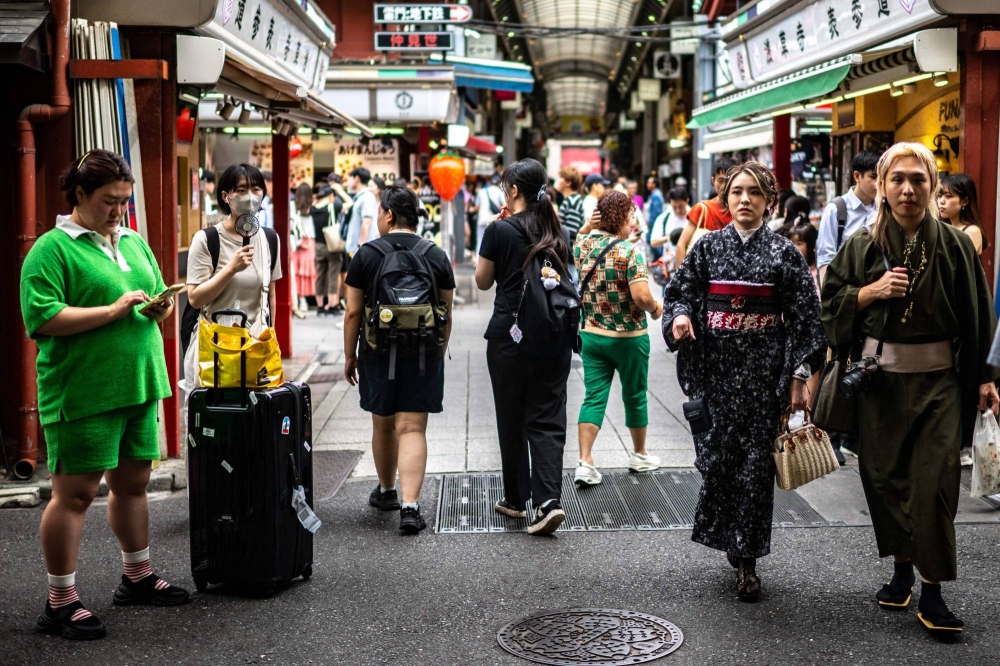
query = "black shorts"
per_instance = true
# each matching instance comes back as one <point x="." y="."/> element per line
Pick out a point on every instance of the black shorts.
<point x="408" y="392"/>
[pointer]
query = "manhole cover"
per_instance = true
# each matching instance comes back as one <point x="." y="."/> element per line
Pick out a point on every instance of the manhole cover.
<point x="591" y="636"/>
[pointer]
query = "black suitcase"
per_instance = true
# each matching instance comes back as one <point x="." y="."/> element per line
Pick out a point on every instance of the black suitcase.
<point x="248" y="450"/>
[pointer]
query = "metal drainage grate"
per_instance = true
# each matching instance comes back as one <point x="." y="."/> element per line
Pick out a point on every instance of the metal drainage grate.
<point x="591" y="636"/>
<point x="661" y="500"/>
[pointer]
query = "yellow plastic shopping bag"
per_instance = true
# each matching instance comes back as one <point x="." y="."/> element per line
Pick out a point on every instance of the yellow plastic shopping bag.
<point x="263" y="365"/>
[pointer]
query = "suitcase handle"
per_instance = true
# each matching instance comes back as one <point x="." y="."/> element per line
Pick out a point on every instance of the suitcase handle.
<point x="230" y="312"/>
<point x="243" y="355"/>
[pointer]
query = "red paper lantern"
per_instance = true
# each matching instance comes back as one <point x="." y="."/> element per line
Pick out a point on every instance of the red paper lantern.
<point x="294" y="147"/>
<point x="447" y="172"/>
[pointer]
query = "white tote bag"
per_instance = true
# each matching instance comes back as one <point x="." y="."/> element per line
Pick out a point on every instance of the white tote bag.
<point x="986" y="456"/>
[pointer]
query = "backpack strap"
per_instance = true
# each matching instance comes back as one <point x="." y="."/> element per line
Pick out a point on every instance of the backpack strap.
<point x="212" y="242"/>
<point x="272" y="244"/>
<point x="841" y="205"/>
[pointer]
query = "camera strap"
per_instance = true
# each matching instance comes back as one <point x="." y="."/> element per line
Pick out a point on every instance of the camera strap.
<point x="885" y="316"/>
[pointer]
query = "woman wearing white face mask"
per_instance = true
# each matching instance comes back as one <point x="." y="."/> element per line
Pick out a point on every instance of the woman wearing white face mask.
<point x="242" y="276"/>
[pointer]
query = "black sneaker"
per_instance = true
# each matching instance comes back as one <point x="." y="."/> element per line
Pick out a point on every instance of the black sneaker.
<point x="322" y="312"/>
<point x="61" y="622"/>
<point x="149" y="592"/>
<point x="547" y="519"/>
<point x="384" y="501"/>
<point x="509" y="510"/>
<point x="410" y="521"/>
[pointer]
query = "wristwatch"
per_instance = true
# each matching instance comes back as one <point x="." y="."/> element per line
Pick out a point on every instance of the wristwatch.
<point x="802" y="373"/>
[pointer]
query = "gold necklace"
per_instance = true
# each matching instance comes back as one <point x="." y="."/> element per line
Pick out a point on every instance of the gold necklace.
<point x="914" y="272"/>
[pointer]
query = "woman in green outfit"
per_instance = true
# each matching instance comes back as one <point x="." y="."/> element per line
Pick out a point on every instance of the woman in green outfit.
<point x="916" y="284"/>
<point x="101" y="372"/>
<point x="616" y="297"/>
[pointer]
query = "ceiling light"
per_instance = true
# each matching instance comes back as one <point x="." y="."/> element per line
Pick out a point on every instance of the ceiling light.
<point x="940" y="80"/>
<point x="910" y="88"/>
<point x="226" y="112"/>
<point x="912" y="79"/>
<point x="790" y="109"/>
<point x="867" y="91"/>
<point x="896" y="91"/>
<point x="244" y="115"/>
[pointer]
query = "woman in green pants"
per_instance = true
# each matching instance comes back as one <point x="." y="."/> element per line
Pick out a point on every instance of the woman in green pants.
<point x="616" y="297"/>
<point x="85" y="292"/>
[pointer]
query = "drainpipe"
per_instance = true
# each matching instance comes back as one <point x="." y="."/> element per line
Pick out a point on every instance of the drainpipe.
<point x="32" y="115"/>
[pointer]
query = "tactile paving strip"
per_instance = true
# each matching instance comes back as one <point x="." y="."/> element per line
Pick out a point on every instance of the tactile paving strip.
<point x="661" y="500"/>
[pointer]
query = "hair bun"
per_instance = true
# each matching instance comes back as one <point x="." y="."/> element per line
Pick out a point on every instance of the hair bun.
<point x="422" y="212"/>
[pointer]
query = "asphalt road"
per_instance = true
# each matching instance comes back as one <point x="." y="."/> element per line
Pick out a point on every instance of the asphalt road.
<point x="378" y="598"/>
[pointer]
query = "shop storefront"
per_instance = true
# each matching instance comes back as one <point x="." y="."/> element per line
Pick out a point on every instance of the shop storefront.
<point x="271" y="58"/>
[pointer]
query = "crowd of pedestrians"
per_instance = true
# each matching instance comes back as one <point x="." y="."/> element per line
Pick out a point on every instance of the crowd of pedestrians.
<point x="753" y="308"/>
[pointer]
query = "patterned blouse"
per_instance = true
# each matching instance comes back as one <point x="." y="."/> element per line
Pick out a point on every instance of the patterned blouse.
<point x="608" y="308"/>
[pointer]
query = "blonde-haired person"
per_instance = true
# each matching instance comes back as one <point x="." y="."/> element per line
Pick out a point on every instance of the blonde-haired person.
<point x="743" y="313"/>
<point x="932" y="308"/>
<point x="615" y="335"/>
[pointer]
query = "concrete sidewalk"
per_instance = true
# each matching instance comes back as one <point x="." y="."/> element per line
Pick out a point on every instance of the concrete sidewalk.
<point x="464" y="437"/>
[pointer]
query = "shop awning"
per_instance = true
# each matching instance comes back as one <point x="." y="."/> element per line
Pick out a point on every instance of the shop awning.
<point x="490" y="74"/>
<point x="22" y="34"/>
<point x="783" y="92"/>
<point x="267" y="92"/>
<point x="478" y="148"/>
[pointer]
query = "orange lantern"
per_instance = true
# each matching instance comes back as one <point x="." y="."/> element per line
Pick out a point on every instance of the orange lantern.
<point x="447" y="172"/>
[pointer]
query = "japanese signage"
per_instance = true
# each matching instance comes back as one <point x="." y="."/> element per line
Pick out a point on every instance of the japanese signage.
<point x="422" y="13"/>
<point x="300" y="166"/>
<point x="381" y="160"/>
<point x="267" y="27"/>
<point x="483" y="47"/>
<point x="413" y="41"/>
<point x="819" y="31"/>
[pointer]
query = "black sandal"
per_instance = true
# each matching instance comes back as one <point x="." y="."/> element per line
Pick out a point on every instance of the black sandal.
<point x="941" y="625"/>
<point x="61" y="621"/>
<point x="891" y="599"/>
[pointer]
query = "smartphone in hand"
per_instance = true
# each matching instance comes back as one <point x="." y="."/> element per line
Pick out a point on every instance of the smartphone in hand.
<point x="167" y="294"/>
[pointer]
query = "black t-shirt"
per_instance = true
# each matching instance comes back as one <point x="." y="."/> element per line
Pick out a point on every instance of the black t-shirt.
<point x="366" y="262"/>
<point x="321" y="217"/>
<point x="506" y="247"/>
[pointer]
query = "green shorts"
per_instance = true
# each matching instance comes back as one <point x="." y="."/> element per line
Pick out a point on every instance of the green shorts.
<point x="95" y="443"/>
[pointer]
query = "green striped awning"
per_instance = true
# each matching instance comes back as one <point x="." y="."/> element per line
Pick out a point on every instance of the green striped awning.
<point x="788" y="90"/>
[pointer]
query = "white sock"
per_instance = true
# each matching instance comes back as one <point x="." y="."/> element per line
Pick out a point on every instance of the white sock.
<point x="546" y="503"/>
<point x="410" y="505"/>
<point x="385" y="490"/>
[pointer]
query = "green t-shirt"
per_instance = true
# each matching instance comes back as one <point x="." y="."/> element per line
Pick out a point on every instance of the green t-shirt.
<point x="117" y="365"/>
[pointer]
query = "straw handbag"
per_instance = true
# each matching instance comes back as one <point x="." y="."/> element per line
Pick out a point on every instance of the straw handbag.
<point x="802" y="455"/>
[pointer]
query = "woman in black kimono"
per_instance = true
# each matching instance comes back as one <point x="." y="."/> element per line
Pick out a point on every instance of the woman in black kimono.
<point x="744" y="314"/>
<point x="934" y="311"/>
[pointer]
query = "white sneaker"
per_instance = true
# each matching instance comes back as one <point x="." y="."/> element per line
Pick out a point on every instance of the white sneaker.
<point x="638" y="462"/>
<point x="586" y="475"/>
<point x="966" y="461"/>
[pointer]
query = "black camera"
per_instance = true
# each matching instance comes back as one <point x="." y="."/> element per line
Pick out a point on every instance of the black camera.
<point x="860" y="377"/>
<point x="696" y="413"/>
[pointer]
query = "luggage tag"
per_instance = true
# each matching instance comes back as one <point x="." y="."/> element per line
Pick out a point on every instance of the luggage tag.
<point x="516" y="334"/>
<point x="304" y="512"/>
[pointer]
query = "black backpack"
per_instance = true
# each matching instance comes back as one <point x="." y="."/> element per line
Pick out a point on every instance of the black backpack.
<point x="547" y="321"/>
<point x="189" y="320"/>
<point x="404" y="315"/>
